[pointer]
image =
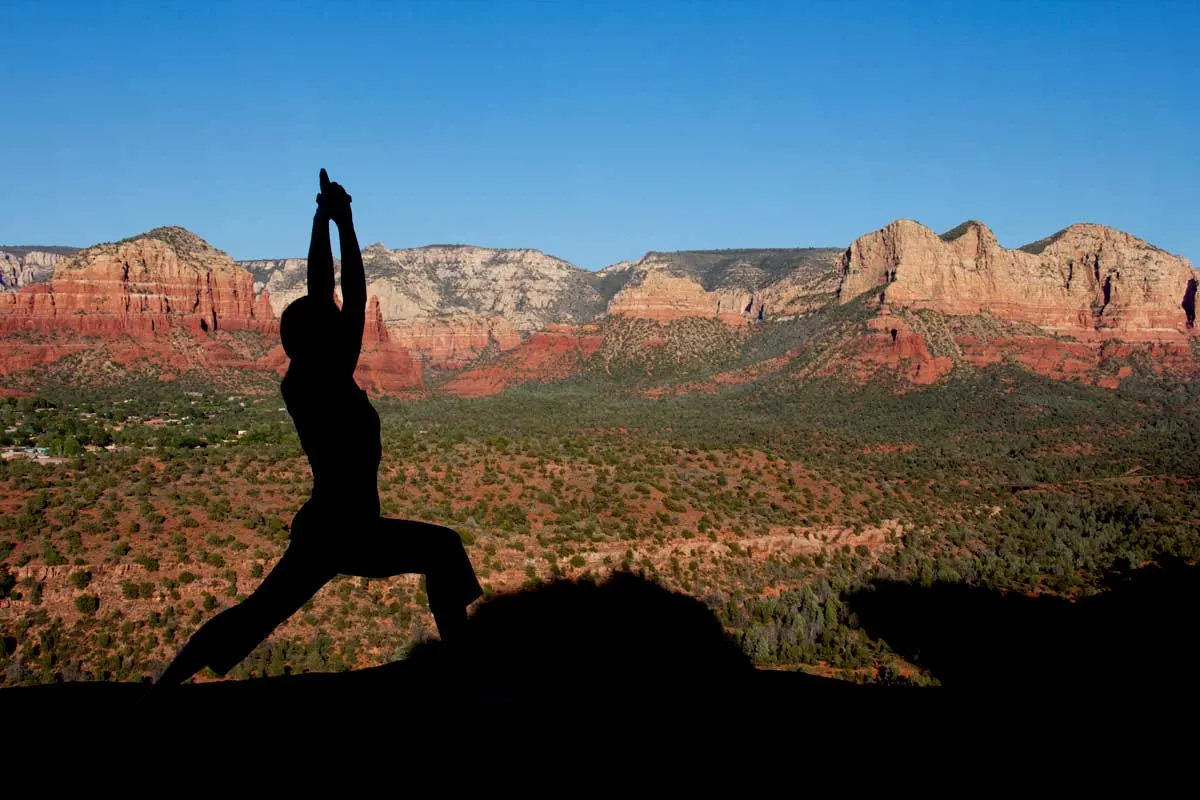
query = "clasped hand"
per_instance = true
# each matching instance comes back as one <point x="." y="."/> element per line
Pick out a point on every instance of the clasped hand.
<point x="333" y="202"/>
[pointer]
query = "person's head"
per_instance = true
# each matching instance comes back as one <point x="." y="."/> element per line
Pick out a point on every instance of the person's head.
<point x="305" y="327"/>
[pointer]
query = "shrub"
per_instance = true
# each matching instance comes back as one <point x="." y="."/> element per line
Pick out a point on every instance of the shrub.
<point x="87" y="604"/>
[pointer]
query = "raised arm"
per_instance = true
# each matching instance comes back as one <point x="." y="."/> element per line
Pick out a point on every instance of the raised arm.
<point x="354" y="281"/>
<point x="354" y="289"/>
<point x="320" y="258"/>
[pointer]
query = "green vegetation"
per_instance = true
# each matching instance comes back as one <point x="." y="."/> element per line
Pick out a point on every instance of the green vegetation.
<point x="1036" y="248"/>
<point x="751" y="268"/>
<point x="958" y="230"/>
<point x="768" y="501"/>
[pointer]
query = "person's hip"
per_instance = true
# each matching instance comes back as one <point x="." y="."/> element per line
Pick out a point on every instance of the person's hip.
<point x="326" y="522"/>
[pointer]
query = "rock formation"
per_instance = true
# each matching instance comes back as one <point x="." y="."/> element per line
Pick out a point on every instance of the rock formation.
<point x="735" y="286"/>
<point x="165" y="278"/>
<point x="1078" y="305"/>
<point x="149" y="288"/>
<point x="282" y="279"/>
<point x="894" y="344"/>
<point x="450" y="303"/>
<point x="527" y="288"/>
<point x="384" y="367"/>
<point x="447" y="304"/>
<point x="659" y="295"/>
<point x="557" y="352"/>
<point x="25" y="266"/>
<point x="454" y="342"/>
<point x="1085" y="280"/>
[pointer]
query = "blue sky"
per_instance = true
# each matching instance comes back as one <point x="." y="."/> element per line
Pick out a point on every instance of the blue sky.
<point x="598" y="130"/>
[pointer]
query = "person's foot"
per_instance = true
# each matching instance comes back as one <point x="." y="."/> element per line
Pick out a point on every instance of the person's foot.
<point x="450" y="624"/>
<point x="153" y="694"/>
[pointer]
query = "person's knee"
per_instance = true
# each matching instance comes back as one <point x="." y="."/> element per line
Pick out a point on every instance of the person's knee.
<point x="446" y="542"/>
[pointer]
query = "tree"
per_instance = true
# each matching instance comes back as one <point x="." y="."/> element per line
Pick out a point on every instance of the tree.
<point x="87" y="604"/>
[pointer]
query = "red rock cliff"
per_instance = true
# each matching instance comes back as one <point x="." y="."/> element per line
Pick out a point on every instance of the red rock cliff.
<point x="1086" y="280"/>
<point x="165" y="278"/>
<point x="170" y="279"/>
<point x="385" y="366"/>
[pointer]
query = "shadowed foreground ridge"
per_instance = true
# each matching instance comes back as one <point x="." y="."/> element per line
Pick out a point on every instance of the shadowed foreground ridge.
<point x="1138" y="634"/>
<point x="581" y="651"/>
<point x="625" y="638"/>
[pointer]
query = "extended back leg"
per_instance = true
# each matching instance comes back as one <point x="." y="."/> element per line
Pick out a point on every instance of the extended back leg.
<point x="229" y="637"/>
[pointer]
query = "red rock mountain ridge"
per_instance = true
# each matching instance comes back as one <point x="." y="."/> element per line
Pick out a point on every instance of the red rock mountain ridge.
<point x="532" y="313"/>
<point x="1078" y="305"/>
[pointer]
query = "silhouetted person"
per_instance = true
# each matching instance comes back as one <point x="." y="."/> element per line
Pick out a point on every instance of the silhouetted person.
<point x="339" y="530"/>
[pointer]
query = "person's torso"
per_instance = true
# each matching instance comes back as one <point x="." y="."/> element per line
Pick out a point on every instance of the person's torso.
<point x="339" y="431"/>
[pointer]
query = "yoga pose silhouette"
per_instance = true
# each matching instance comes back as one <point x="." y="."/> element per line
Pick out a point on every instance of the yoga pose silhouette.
<point x="339" y="530"/>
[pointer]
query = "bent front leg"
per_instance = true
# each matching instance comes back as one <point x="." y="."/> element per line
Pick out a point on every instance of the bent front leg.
<point x="401" y="546"/>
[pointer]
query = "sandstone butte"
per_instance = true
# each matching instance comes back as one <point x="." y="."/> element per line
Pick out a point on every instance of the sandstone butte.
<point x="454" y="343"/>
<point x="1092" y="295"/>
<point x="169" y="280"/>
<point x="1086" y="281"/>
